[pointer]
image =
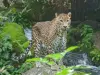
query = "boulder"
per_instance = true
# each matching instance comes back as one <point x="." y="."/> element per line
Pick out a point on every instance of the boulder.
<point x="78" y="58"/>
<point x="42" y="69"/>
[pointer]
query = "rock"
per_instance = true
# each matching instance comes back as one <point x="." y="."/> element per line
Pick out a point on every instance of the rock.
<point x="79" y="63"/>
<point x="72" y="59"/>
<point x="42" y="69"/>
<point x="92" y="70"/>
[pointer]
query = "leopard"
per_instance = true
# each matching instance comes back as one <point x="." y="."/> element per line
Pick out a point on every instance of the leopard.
<point x="51" y="36"/>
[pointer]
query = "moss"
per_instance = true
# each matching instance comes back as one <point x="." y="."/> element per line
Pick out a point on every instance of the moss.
<point x="15" y="31"/>
<point x="16" y="34"/>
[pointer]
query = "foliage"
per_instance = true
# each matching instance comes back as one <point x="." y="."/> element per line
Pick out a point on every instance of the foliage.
<point x="86" y="44"/>
<point x="7" y="16"/>
<point x="40" y="10"/>
<point x="86" y="34"/>
<point x="59" y="56"/>
<point x="2" y="20"/>
<point x="55" y="57"/>
<point x="95" y="55"/>
<point x="17" y="47"/>
<point x="82" y="36"/>
<point x="23" y="68"/>
<point x="5" y="49"/>
<point x="26" y="44"/>
<point x="30" y="63"/>
<point x="42" y="60"/>
<point x="13" y="15"/>
<point x="15" y="31"/>
<point x="37" y="9"/>
<point x="52" y="59"/>
<point x="71" y="71"/>
<point x="12" y="37"/>
<point x="22" y="18"/>
<point x="6" y="63"/>
<point x="5" y="54"/>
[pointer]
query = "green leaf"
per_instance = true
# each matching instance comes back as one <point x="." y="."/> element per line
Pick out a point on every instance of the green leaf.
<point x="0" y="50"/>
<point x="56" y="56"/>
<point x="26" y="44"/>
<point x="63" y="72"/>
<point x="34" y="60"/>
<point x="44" y="60"/>
<point x="71" y="48"/>
<point x="51" y="63"/>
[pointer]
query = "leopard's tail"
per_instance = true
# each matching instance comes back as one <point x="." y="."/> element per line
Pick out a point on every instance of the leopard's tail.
<point x="22" y="56"/>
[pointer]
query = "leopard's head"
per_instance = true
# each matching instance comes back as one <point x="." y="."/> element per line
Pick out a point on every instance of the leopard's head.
<point x="63" y="20"/>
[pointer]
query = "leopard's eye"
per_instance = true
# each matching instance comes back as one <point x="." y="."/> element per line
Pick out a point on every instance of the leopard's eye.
<point x="61" y="20"/>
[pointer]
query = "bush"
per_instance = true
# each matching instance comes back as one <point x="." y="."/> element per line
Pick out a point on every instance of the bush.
<point x="13" y="15"/>
<point x="86" y="34"/>
<point x="5" y="54"/>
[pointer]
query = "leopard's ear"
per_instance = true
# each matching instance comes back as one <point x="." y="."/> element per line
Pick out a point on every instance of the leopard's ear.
<point x="69" y="14"/>
<point x="56" y="14"/>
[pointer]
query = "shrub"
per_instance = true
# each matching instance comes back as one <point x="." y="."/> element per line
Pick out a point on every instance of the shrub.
<point x="5" y="54"/>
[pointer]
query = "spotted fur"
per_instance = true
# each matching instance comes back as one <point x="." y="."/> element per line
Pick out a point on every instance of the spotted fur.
<point x="47" y="34"/>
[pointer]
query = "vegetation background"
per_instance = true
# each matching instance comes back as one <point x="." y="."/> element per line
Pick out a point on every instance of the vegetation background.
<point x="16" y="15"/>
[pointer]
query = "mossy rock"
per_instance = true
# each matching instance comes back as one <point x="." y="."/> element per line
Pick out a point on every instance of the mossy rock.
<point x="16" y="34"/>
